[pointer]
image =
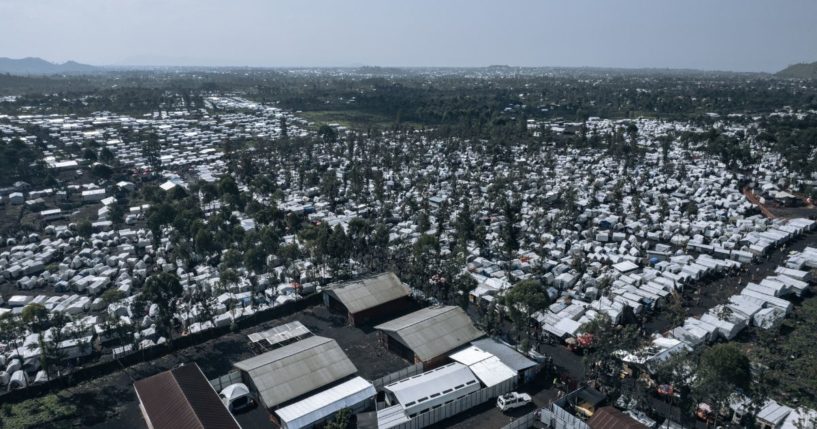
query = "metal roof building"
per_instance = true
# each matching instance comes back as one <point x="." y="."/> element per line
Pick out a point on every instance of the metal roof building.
<point x="487" y="367"/>
<point x="510" y="357"/>
<point x="430" y="333"/>
<point x="182" y="398"/>
<point x="367" y="298"/>
<point x="611" y="418"/>
<point x="298" y="368"/>
<point x="353" y="394"/>
<point x="431" y="388"/>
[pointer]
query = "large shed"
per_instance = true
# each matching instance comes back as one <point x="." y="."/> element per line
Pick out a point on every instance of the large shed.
<point x="427" y="335"/>
<point x="368" y="298"/>
<point x="356" y="395"/>
<point x="296" y="369"/>
<point x="182" y="398"/>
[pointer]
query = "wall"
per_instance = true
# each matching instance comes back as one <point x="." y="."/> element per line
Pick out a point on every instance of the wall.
<point x="398" y="375"/>
<point x="457" y="406"/>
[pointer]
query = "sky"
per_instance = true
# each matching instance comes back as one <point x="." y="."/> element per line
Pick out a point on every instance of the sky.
<point x="739" y="35"/>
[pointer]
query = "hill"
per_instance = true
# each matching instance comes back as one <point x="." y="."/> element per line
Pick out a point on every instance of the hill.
<point x="800" y="71"/>
<point x="39" y="66"/>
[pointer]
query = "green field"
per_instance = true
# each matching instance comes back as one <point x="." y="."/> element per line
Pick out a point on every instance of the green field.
<point x="350" y="119"/>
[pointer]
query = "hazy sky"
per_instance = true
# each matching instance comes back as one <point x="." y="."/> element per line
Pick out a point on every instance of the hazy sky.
<point x="745" y="35"/>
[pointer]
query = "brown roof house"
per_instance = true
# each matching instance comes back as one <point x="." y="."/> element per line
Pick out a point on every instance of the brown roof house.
<point x="182" y="398"/>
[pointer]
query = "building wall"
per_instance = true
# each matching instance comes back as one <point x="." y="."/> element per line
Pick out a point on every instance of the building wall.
<point x="396" y="347"/>
<point x="365" y="405"/>
<point x="380" y="313"/>
<point x="457" y="406"/>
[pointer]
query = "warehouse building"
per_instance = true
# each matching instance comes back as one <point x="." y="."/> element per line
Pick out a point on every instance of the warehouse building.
<point x="524" y="368"/>
<point x="295" y="370"/>
<point x="368" y="299"/>
<point x="428" y="335"/>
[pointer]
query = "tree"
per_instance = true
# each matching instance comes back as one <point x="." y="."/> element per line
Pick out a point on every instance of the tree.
<point x="117" y="213"/>
<point x="723" y="369"/>
<point x="692" y="209"/>
<point x="10" y="328"/>
<point x="102" y="171"/>
<point x="112" y="295"/>
<point x="151" y="151"/>
<point x="35" y="317"/>
<point x="341" y="421"/>
<point x="465" y="225"/>
<point x="522" y="301"/>
<point x="510" y="232"/>
<point x="283" y="125"/>
<point x="677" y="371"/>
<point x="89" y="154"/>
<point x="255" y="259"/>
<point x="85" y="229"/>
<point x="327" y="133"/>
<point x="164" y="289"/>
<point x="106" y="156"/>
<point x="606" y="339"/>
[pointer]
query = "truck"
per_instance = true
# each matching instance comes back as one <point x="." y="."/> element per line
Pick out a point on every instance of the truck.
<point x="512" y="400"/>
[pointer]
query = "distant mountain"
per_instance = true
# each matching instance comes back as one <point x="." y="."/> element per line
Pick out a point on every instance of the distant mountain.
<point x="800" y="71"/>
<point x="39" y="66"/>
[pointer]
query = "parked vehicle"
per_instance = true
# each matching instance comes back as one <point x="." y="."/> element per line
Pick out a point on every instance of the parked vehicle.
<point x="512" y="400"/>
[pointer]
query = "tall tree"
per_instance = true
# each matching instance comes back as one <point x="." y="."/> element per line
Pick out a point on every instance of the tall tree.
<point x="164" y="290"/>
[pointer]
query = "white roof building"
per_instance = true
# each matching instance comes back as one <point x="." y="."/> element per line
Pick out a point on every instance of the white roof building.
<point x="320" y="406"/>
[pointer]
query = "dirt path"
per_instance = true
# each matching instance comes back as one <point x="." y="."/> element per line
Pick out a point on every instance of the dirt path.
<point x="754" y="200"/>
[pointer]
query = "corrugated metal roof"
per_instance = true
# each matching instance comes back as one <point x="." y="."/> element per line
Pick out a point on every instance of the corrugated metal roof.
<point x="369" y="292"/>
<point x="433" y="331"/>
<point x="470" y="355"/>
<point x="182" y="398"/>
<point x="611" y="418"/>
<point x="492" y="371"/>
<point x="298" y="368"/>
<point x="510" y="357"/>
<point x="391" y="417"/>
<point x="280" y="333"/>
<point x="323" y="404"/>
<point x="428" y="384"/>
<point x="488" y="368"/>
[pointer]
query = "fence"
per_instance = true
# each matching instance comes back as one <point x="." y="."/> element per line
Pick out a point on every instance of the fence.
<point x="225" y="380"/>
<point x="108" y="365"/>
<point x="473" y="399"/>
<point x="398" y="375"/>
<point x="558" y="418"/>
<point x="523" y="422"/>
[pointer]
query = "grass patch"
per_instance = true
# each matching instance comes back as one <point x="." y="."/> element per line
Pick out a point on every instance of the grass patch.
<point x="47" y="411"/>
<point x="350" y="119"/>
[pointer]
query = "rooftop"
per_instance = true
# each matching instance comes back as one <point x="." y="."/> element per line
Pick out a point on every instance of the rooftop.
<point x="369" y="292"/>
<point x="433" y="331"/>
<point x="284" y="374"/>
<point x="327" y="402"/>
<point x="182" y="398"/>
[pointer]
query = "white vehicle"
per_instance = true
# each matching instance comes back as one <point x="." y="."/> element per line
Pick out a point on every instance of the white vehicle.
<point x="512" y="400"/>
